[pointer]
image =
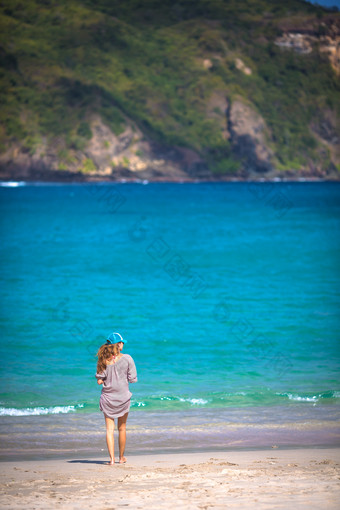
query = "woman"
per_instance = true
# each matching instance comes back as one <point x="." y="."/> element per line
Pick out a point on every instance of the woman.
<point x="114" y="371"/>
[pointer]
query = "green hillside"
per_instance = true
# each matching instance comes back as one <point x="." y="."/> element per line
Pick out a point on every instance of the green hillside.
<point x="157" y="65"/>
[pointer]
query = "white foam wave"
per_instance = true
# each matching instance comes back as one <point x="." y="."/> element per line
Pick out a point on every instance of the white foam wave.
<point x="194" y="401"/>
<point x="310" y="398"/>
<point x="293" y="396"/>
<point x="37" y="411"/>
<point x="314" y="398"/>
<point x="12" y="184"/>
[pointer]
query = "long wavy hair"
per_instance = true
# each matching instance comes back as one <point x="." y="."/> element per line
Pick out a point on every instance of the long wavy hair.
<point x="104" y="354"/>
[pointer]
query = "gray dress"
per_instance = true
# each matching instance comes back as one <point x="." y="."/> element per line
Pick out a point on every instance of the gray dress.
<point x="115" y="397"/>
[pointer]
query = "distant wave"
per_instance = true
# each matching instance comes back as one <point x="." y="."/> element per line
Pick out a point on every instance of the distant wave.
<point x="176" y="402"/>
<point x="12" y="184"/>
<point x="314" y="398"/>
<point x="310" y="398"/>
<point x="15" y="184"/>
<point x="155" y="400"/>
<point x="238" y="399"/>
<point x="36" y="411"/>
<point x="194" y="401"/>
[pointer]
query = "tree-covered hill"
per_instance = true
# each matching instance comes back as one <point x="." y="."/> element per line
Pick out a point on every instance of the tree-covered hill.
<point x="169" y="89"/>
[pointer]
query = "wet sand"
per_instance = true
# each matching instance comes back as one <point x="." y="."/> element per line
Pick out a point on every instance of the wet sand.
<point x="272" y="478"/>
<point x="157" y="432"/>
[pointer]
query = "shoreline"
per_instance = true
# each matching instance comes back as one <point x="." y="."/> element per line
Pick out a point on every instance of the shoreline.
<point x="307" y="478"/>
<point x="22" y="182"/>
<point x="165" y="431"/>
<point x="91" y="455"/>
<point x="200" y="455"/>
<point x="32" y="174"/>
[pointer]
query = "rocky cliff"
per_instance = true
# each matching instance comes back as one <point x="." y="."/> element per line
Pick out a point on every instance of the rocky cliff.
<point x="206" y="93"/>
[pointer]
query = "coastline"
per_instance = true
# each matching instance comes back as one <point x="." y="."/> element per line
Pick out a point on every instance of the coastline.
<point x="166" y="431"/>
<point x="307" y="478"/>
<point x="102" y="180"/>
<point x="68" y="177"/>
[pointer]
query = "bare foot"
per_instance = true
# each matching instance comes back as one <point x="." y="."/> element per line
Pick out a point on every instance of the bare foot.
<point x="111" y="463"/>
<point x="122" y="460"/>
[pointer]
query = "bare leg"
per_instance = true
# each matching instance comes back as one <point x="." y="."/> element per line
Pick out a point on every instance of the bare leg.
<point x="122" y="437"/>
<point x="110" y="427"/>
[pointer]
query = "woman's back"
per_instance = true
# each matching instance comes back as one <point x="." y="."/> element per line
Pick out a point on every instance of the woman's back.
<point x="117" y="375"/>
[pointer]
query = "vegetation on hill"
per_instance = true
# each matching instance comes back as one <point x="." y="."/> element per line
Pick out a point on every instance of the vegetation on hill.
<point x="158" y="64"/>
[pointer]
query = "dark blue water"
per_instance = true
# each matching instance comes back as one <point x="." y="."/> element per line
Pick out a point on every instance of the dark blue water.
<point x="228" y="294"/>
<point x="326" y="3"/>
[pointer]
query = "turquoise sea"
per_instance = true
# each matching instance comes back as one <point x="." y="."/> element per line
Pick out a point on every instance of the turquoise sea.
<point x="227" y="295"/>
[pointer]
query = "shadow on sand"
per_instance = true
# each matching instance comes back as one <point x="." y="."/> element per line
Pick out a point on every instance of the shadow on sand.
<point x="103" y="462"/>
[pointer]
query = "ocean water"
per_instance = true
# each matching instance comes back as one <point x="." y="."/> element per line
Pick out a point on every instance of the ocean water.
<point x="227" y="293"/>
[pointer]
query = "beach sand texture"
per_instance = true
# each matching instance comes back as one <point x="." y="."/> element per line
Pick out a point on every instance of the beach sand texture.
<point x="261" y="479"/>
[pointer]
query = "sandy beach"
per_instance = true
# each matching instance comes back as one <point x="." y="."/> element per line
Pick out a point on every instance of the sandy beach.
<point x="271" y="478"/>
